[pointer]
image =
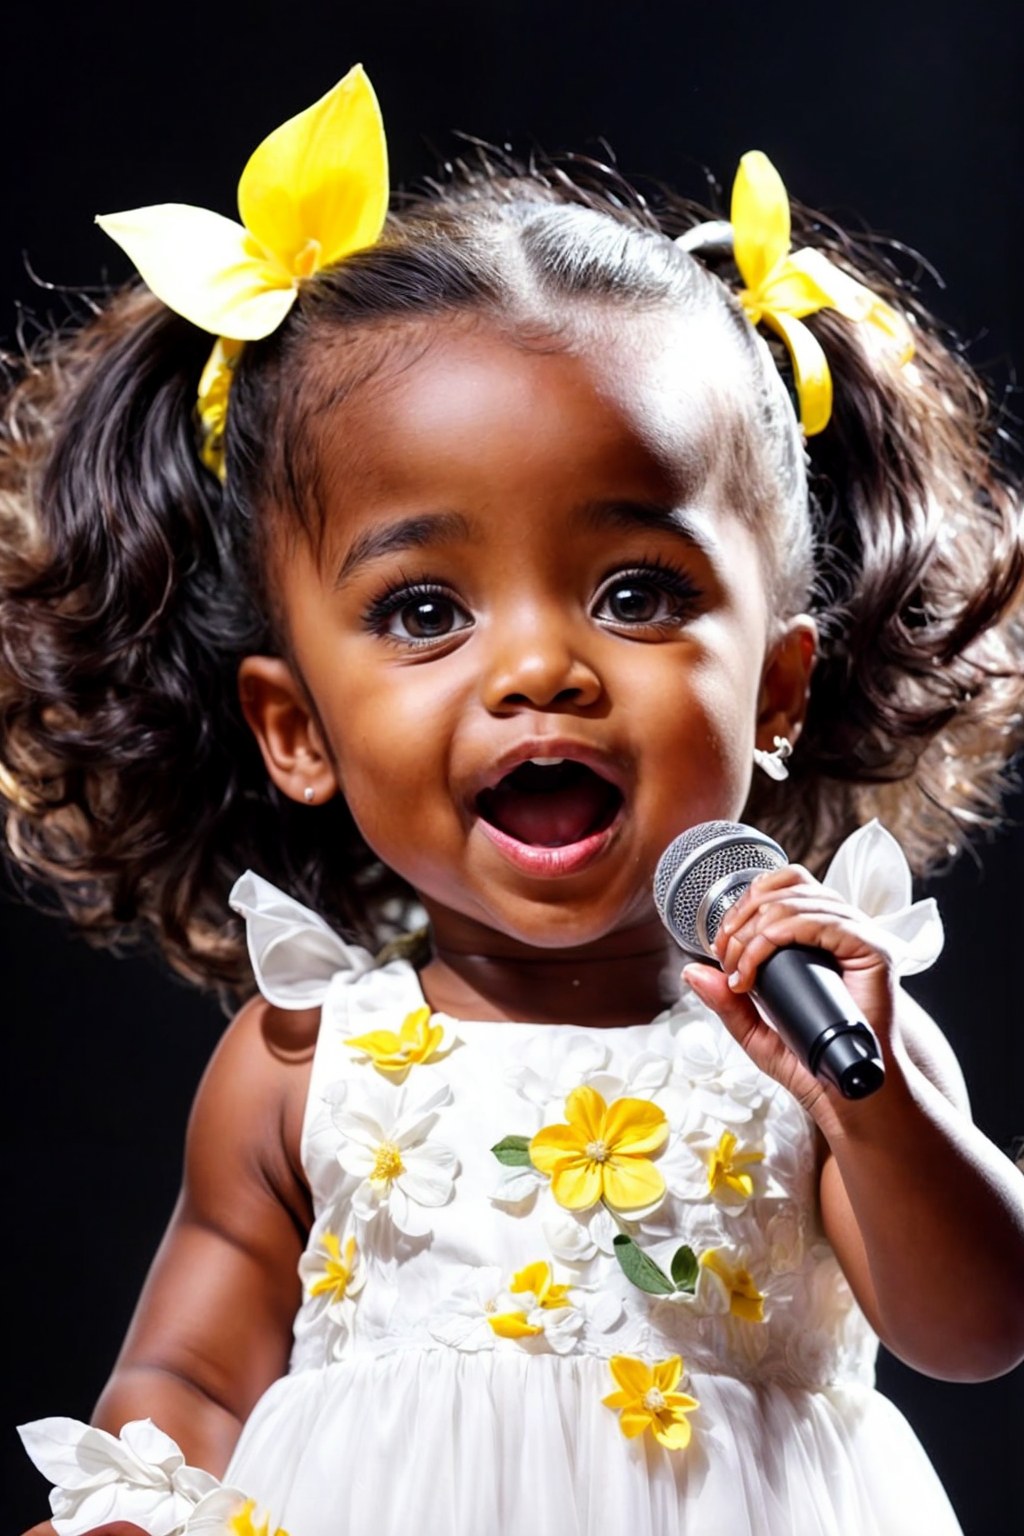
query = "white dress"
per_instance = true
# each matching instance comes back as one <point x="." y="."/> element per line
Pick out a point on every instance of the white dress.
<point x="462" y="1306"/>
<point x="432" y="1390"/>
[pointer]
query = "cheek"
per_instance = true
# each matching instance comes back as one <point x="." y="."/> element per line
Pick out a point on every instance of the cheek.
<point x="729" y="706"/>
<point x="704" y="734"/>
<point x="387" y="742"/>
<point x="725" y="691"/>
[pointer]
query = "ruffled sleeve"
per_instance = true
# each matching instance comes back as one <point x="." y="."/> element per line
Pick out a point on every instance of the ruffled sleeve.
<point x="295" y="955"/>
<point x="871" y="871"/>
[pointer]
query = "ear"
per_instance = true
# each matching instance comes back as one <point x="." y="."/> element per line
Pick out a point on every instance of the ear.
<point x="275" y="705"/>
<point x="786" y="682"/>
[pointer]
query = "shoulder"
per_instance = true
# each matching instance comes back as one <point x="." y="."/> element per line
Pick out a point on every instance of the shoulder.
<point x="264" y="1049"/>
<point x="261" y="1032"/>
<point x="249" y="1109"/>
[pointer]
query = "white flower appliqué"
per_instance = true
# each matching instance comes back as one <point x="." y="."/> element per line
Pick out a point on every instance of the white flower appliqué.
<point x="724" y="1083"/>
<point x="386" y="1147"/>
<point x="531" y="1310"/>
<point x="871" y="871"/>
<point x="138" y="1476"/>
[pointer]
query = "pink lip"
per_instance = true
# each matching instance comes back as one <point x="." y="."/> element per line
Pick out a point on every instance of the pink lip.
<point x="550" y="862"/>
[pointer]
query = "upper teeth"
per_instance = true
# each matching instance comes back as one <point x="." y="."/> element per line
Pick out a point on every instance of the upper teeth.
<point x="547" y="762"/>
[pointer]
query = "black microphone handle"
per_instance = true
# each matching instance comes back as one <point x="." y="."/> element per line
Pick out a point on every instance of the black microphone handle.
<point x="800" y="990"/>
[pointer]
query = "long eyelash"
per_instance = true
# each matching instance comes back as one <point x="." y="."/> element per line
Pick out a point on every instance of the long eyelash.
<point x="403" y="590"/>
<point x="395" y="596"/>
<point x="673" y="578"/>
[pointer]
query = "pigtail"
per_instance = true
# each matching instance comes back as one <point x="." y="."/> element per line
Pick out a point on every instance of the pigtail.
<point x="130" y="588"/>
<point x="115" y="589"/>
<point x="917" y="700"/>
<point x="119" y="605"/>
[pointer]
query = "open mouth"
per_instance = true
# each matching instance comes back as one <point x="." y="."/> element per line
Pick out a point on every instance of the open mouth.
<point x="550" y="803"/>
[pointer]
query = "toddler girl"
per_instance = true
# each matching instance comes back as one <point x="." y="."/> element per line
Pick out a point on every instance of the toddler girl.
<point x="498" y="550"/>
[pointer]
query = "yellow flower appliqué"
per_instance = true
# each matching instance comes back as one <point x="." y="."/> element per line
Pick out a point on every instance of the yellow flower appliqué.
<point x="726" y="1179"/>
<point x="647" y="1400"/>
<point x="243" y="1524"/>
<point x="602" y="1153"/>
<point x="745" y="1300"/>
<point x="416" y="1041"/>
<point x="536" y="1281"/>
<point x="336" y="1273"/>
<point x="780" y="288"/>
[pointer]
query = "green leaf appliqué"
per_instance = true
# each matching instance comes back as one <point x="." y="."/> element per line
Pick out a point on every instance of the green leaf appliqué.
<point x="640" y="1270"/>
<point x="685" y="1269"/>
<point x="513" y="1151"/>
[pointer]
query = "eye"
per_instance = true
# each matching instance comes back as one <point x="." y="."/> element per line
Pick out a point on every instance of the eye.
<point x="634" y="602"/>
<point x="417" y="615"/>
<point x="655" y="596"/>
<point x="428" y="618"/>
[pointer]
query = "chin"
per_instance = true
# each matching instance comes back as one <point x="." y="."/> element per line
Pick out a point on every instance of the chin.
<point x="558" y="923"/>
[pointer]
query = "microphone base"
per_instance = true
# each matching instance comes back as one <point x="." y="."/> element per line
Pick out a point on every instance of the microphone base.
<point x="849" y="1058"/>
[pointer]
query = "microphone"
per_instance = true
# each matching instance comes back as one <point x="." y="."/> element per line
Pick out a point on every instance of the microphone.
<point x="799" y="989"/>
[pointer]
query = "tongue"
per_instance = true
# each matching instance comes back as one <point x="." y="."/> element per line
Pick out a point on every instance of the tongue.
<point x="554" y="818"/>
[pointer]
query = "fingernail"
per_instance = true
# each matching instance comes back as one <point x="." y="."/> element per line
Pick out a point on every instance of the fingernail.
<point x="734" y="979"/>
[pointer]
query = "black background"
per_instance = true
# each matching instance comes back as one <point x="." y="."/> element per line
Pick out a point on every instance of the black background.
<point x="902" y="116"/>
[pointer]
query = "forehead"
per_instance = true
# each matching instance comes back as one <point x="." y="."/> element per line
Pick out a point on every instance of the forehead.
<point x="658" y="398"/>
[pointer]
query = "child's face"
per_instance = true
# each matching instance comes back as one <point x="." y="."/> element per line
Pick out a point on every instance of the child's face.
<point x="532" y="555"/>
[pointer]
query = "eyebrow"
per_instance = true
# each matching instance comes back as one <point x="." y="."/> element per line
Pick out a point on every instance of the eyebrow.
<point x="431" y="530"/>
<point x="420" y="532"/>
<point x="649" y="515"/>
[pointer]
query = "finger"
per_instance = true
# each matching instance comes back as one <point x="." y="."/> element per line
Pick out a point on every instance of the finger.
<point x="851" y="946"/>
<point x="730" y="945"/>
<point x="793" y="880"/>
<point x="781" y="879"/>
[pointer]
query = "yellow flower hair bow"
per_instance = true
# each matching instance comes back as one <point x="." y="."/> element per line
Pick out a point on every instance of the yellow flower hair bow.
<point x="781" y="287"/>
<point x="315" y="190"/>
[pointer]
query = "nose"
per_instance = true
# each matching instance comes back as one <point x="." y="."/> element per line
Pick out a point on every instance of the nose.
<point x="537" y="660"/>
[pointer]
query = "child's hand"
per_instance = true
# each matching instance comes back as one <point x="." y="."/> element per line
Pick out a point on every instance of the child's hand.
<point x="788" y="906"/>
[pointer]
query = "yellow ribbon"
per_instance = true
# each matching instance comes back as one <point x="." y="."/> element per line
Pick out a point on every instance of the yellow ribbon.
<point x="315" y="190"/>
<point x="781" y="288"/>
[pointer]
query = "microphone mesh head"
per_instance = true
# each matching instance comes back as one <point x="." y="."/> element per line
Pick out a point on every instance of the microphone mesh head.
<point x="696" y="861"/>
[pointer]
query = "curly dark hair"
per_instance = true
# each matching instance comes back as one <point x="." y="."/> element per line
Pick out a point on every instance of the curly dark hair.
<point x="132" y="582"/>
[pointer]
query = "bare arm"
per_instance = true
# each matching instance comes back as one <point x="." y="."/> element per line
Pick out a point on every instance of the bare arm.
<point x="213" y="1324"/>
<point x="925" y="1214"/>
<point x="212" y="1328"/>
<point x="927" y="1217"/>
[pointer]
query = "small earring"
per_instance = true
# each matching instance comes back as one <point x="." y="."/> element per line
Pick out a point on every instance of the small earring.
<point x="774" y="763"/>
<point x="309" y="794"/>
